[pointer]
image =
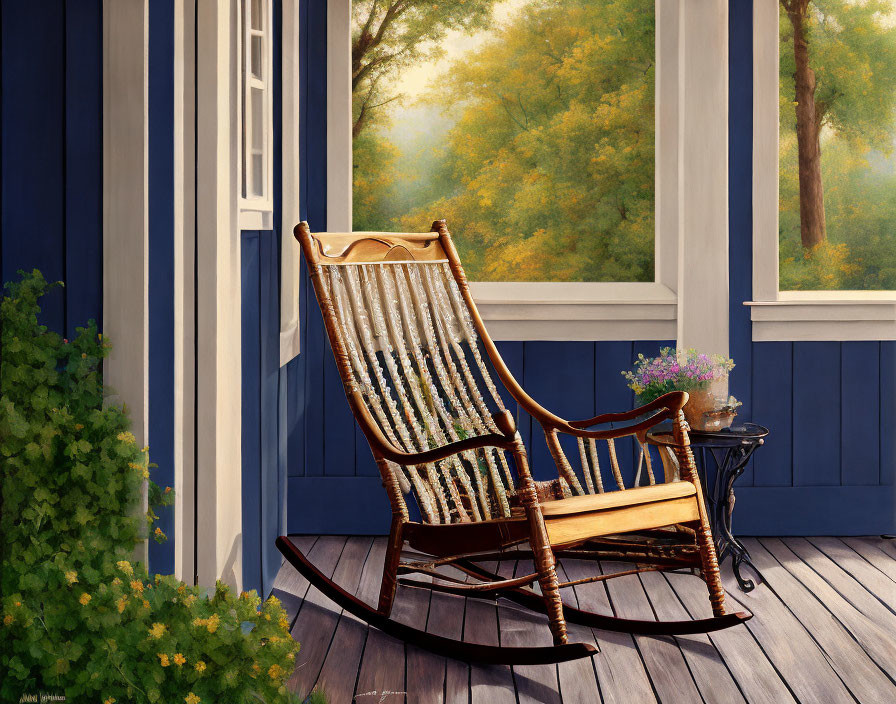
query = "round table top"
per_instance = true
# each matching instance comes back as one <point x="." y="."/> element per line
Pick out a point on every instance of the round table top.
<point x="737" y="434"/>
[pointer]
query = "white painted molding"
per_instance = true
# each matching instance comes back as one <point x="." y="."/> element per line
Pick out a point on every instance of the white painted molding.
<point x="289" y="249"/>
<point x="125" y="211"/>
<point x="339" y="118"/>
<point x="668" y="162"/>
<point x="576" y="311"/>
<point x="825" y="315"/>
<point x="218" y="431"/>
<point x="703" y="250"/>
<point x="765" y="149"/>
<point x="184" y="319"/>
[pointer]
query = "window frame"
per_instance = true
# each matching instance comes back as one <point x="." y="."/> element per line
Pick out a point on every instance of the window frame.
<point x="793" y="315"/>
<point x="255" y="212"/>
<point x="666" y="308"/>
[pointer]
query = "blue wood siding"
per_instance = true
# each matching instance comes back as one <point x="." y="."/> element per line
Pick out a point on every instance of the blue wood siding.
<point x="52" y="181"/>
<point x="265" y="385"/>
<point x="51" y="153"/>
<point x="828" y="464"/>
<point x="161" y="268"/>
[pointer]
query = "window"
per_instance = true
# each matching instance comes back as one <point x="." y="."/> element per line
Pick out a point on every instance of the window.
<point x="529" y="125"/>
<point x="572" y="172"/>
<point x="824" y="170"/>
<point x="837" y="159"/>
<point x="256" y="167"/>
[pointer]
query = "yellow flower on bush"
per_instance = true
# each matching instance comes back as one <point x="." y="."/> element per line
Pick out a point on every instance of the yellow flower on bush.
<point x="122" y="603"/>
<point x="127" y="437"/>
<point x="71" y="576"/>
<point x="124" y="565"/>
<point x="275" y="671"/>
<point x="110" y="700"/>
<point x="163" y="658"/>
<point x="212" y="623"/>
<point x="116" y="581"/>
<point x="145" y="604"/>
<point x="159" y="533"/>
<point x="157" y="630"/>
<point x="284" y="622"/>
<point x="192" y="699"/>
<point x="137" y="585"/>
<point x="8" y="619"/>
<point x="197" y="622"/>
<point x="179" y="659"/>
<point x="84" y="599"/>
<point x="190" y="599"/>
<point x="200" y="666"/>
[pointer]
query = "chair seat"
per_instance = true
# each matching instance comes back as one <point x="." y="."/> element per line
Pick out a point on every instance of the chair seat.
<point x="617" y="499"/>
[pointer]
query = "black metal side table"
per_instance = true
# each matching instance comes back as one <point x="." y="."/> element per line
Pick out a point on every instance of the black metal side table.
<point x="730" y="450"/>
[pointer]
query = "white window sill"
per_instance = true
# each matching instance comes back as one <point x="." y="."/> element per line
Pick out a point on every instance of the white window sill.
<point x="825" y="315"/>
<point x="256" y="219"/>
<point x="577" y="311"/>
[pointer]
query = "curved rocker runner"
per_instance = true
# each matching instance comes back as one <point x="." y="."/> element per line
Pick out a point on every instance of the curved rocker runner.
<point x="406" y="336"/>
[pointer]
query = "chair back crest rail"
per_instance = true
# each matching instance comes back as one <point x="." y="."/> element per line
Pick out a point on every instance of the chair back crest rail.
<point x="408" y="341"/>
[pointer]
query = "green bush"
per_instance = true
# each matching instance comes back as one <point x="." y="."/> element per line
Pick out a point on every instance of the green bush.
<point x="79" y="617"/>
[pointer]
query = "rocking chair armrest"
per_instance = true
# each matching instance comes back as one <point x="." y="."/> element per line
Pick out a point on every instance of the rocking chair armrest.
<point x="673" y="401"/>
<point x="667" y="406"/>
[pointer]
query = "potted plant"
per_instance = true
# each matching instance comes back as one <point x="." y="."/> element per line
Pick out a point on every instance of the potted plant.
<point x="703" y="376"/>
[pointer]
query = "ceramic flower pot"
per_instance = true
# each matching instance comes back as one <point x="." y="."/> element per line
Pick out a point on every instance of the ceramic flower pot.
<point x="703" y="411"/>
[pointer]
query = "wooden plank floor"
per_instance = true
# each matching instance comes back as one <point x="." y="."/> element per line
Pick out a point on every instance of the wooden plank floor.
<point x="824" y="630"/>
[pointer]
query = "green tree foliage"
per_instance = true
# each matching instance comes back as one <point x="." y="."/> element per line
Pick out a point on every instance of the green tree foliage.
<point x="389" y="35"/>
<point x="852" y="52"/>
<point x="79" y="618"/>
<point x="547" y="172"/>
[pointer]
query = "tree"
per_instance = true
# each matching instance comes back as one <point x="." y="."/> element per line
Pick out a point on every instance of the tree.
<point x="839" y="55"/>
<point x="388" y="35"/>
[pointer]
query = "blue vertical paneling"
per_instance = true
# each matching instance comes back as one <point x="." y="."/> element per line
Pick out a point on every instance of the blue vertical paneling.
<point x="773" y="408"/>
<point x="860" y="413"/>
<point x="269" y="397"/>
<point x="251" y="311"/>
<point x="83" y="163"/>
<point x="740" y="208"/>
<point x="612" y="394"/>
<point x="161" y="267"/>
<point x="887" y="433"/>
<point x="561" y="378"/>
<point x="32" y="145"/>
<point x="816" y="414"/>
<point x="513" y="354"/>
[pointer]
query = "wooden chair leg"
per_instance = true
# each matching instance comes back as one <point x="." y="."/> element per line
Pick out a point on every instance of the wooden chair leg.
<point x="550" y="589"/>
<point x="390" y="567"/>
<point x="705" y="544"/>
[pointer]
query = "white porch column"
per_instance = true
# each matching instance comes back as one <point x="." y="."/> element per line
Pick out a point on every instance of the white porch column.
<point x="703" y="250"/>
<point x="218" y="362"/>
<point x="125" y="211"/>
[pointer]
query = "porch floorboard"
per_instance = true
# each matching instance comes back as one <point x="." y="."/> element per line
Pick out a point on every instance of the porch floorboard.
<point x="824" y="630"/>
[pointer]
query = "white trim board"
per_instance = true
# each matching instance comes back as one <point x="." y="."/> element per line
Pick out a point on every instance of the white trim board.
<point x="218" y="292"/>
<point x="289" y="251"/>
<point x="691" y="198"/>
<point x="125" y="211"/>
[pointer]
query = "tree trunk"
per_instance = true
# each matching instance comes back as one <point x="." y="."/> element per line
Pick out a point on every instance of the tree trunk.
<point x="808" y="128"/>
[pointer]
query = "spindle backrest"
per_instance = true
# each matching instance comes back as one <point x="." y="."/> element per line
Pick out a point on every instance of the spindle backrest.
<point x="406" y="337"/>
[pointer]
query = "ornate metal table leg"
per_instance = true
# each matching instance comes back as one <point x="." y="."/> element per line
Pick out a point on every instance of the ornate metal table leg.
<point x="728" y="470"/>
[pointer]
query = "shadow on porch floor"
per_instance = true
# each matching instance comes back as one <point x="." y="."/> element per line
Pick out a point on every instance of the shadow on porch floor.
<point x="824" y="630"/>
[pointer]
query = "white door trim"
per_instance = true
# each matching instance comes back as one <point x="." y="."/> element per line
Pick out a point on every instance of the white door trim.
<point x="125" y="211"/>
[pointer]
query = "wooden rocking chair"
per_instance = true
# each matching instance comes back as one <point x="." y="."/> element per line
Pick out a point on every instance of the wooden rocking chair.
<point x="405" y="331"/>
